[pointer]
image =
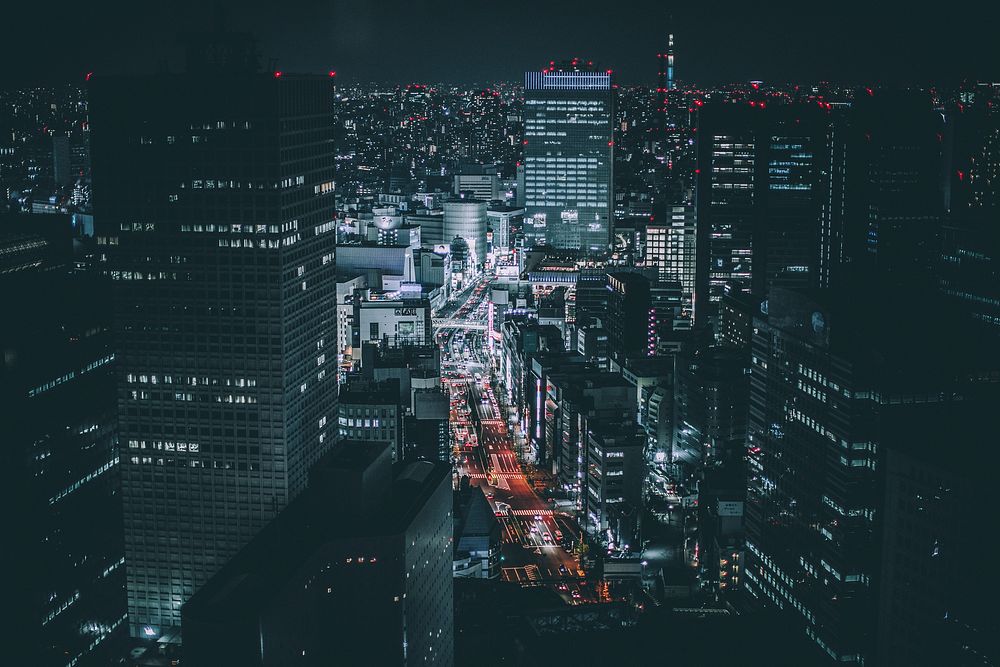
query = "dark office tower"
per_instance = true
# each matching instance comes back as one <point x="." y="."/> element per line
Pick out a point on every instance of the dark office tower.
<point x="568" y="158"/>
<point x="61" y="169"/>
<point x="629" y="300"/>
<point x="711" y="406"/>
<point x="935" y="508"/>
<point x="757" y="200"/>
<point x="882" y="192"/>
<point x="367" y="583"/>
<point x="215" y="204"/>
<point x="592" y="294"/>
<point x="830" y="377"/>
<point x="59" y="472"/>
<point x="969" y="271"/>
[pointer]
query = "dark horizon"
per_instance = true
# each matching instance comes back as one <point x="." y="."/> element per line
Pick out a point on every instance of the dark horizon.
<point x="395" y="41"/>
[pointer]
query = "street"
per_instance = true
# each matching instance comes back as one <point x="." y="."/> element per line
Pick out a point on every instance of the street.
<point x="538" y="542"/>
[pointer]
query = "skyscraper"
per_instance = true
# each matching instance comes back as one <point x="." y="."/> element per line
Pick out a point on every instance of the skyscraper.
<point x="832" y="379"/>
<point x="371" y="586"/>
<point x="568" y="157"/>
<point x="758" y="203"/>
<point x="883" y="192"/>
<point x="59" y="464"/>
<point x="671" y="249"/>
<point x="216" y="225"/>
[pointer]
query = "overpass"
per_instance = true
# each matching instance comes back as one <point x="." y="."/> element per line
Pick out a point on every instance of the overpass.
<point x="456" y="323"/>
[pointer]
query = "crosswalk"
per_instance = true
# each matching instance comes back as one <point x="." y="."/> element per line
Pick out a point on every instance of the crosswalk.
<point x="497" y="475"/>
<point x="527" y="575"/>
<point x="531" y="512"/>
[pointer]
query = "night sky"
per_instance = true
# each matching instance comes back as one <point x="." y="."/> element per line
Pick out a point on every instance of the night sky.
<point x="487" y="40"/>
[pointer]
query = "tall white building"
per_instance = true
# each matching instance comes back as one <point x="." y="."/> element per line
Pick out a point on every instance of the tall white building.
<point x="568" y="158"/>
<point x="467" y="218"/>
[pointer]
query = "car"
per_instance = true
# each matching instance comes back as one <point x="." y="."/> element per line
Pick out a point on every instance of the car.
<point x="538" y="517"/>
<point x="534" y="528"/>
<point x="563" y="571"/>
<point x="490" y="495"/>
<point x="563" y="587"/>
<point x="576" y="595"/>
<point x="546" y="538"/>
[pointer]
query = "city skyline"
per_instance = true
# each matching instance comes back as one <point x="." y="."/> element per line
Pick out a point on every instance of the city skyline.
<point x="604" y="364"/>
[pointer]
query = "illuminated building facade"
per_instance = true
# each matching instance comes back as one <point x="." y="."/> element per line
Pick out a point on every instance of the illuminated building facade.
<point x="568" y="158"/>
<point x="216" y="227"/>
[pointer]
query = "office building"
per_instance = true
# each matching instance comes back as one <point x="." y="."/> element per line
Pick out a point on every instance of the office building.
<point x="568" y="158"/>
<point x="758" y="199"/>
<point x="478" y="182"/>
<point x="671" y="248"/>
<point x="62" y="170"/>
<point x="711" y="403"/>
<point x="628" y="311"/>
<point x="224" y="291"/>
<point x="427" y="429"/>
<point x="431" y="225"/>
<point x="64" y="602"/>
<point x="370" y="411"/>
<point x="615" y="470"/>
<point x="392" y="319"/>
<point x="936" y="511"/>
<point x="477" y="535"/>
<point x="466" y="219"/>
<point x="385" y="267"/>
<point x="832" y="376"/>
<point x="883" y="193"/>
<point x="370" y="582"/>
<point x="349" y="288"/>
<point x="971" y="248"/>
<point x="506" y="222"/>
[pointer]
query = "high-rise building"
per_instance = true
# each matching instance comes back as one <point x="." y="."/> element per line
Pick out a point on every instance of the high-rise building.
<point x="61" y="168"/>
<point x="936" y="508"/>
<point x="370" y="582"/>
<point x="757" y="200"/>
<point x="711" y="401"/>
<point x="628" y="311"/>
<point x="971" y="253"/>
<point x="216" y="224"/>
<point x="59" y="465"/>
<point x="882" y="192"/>
<point x="831" y="377"/>
<point x="568" y="157"/>
<point x="670" y="248"/>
